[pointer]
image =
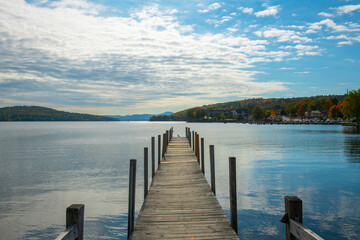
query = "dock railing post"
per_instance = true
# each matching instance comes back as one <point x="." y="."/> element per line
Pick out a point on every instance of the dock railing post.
<point x="153" y="156"/>
<point x="75" y="215"/>
<point x="212" y="168"/>
<point x="132" y="188"/>
<point x="167" y="138"/>
<point x="233" y="196"/>
<point x="197" y="148"/>
<point x="193" y="147"/>
<point x="163" y="145"/>
<point x="293" y="208"/>
<point x="146" y="176"/>
<point x="202" y="156"/>
<point x="159" y="149"/>
<point x="189" y="136"/>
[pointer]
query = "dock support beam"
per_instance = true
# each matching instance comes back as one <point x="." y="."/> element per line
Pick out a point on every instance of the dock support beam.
<point x="202" y="156"/>
<point x="146" y="176"/>
<point x="293" y="208"/>
<point x="159" y="149"/>
<point x="132" y="188"/>
<point x="233" y="196"/>
<point x="212" y="168"/>
<point x="193" y="147"/>
<point x="153" y="156"/>
<point x="75" y="215"/>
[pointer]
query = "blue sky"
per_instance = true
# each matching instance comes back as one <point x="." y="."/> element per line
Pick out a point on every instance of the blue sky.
<point x="126" y="57"/>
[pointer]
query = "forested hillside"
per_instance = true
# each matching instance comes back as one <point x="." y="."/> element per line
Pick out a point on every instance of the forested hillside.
<point x="35" y="113"/>
<point x="332" y="106"/>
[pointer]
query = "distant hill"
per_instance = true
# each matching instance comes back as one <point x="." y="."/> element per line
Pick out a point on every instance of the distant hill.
<point x="285" y="106"/>
<point x="138" y="117"/>
<point x="35" y="113"/>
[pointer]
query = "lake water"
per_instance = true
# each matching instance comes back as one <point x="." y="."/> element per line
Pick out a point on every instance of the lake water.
<point x="47" y="166"/>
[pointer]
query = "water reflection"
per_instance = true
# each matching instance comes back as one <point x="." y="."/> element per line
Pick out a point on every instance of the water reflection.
<point x="351" y="130"/>
<point x="352" y="149"/>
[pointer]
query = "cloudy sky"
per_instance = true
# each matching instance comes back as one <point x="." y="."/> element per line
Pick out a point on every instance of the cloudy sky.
<point x="132" y="56"/>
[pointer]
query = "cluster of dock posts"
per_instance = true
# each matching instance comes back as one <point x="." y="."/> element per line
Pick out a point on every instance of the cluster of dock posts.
<point x="292" y="218"/>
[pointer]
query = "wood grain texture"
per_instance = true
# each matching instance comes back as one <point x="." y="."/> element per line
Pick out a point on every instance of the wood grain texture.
<point x="180" y="203"/>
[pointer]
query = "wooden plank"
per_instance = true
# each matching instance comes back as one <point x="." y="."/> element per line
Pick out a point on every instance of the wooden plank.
<point x="180" y="203"/>
<point x="70" y="233"/>
<point x="302" y="232"/>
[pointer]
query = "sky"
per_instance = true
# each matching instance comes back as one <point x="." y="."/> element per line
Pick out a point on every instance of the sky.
<point x="122" y="57"/>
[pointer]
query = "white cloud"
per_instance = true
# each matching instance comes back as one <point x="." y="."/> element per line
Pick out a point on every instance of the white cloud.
<point x="77" y="57"/>
<point x="330" y="24"/>
<point x="305" y="50"/>
<point x="269" y="11"/>
<point x="348" y="40"/>
<point x="232" y="29"/>
<point x="324" y="14"/>
<point x="246" y="10"/>
<point x="211" y="7"/>
<point x="347" y="9"/>
<point x="283" y="35"/>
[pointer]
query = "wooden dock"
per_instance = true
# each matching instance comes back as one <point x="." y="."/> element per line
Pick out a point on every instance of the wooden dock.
<point x="180" y="203"/>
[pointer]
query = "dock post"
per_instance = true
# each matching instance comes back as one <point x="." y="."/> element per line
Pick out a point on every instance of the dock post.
<point x="159" y="149"/>
<point x="202" y="156"/>
<point x="189" y="136"/>
<point x="197" y="148"/>
<point x="212" y="168"/>
<point x="153" y="156"/>
<point x="132" y="186"/>
<point x="167" y="138"/>
<point x="193" y="141"/>
<point x="146" y="167"/>
<point x="233" y="195"/>
<point x="163" y="145"/>
<point x="75" y="215"/>
<point x="186" y="132"/>
<point x="293" y="208"/>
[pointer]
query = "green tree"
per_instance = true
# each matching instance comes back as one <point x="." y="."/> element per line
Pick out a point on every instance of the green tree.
<point x="257" y="113"/>
<point x="351" y="107"/>
<point x="222" y="116"/>
<point x="268" y="113"/>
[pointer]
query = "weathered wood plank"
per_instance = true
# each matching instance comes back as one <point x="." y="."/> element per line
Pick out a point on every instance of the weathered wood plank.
<point x="70" y="233"/>
<point x="302" y="232"/>
<point x="180" y="203"/>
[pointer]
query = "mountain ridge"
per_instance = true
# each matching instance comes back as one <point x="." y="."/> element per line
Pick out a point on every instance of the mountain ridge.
<point x="37" y="113"/>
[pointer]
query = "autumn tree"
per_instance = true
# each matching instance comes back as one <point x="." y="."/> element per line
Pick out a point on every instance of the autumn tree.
<point x="257" y="113"/>
<point x="351" y="106"/>
<point x="335" y="111"/>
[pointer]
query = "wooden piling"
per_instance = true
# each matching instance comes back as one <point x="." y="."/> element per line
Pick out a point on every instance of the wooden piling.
<point x="159" y="149"/>
<point x="212" y="168"/>
<point x="153" y="156"/>
<point x="193" y="147"/>
<point x="146" y="176"/>
<point x="75" y="215"/>
<point x="233" y="195"/>
<point x="189" y="136"/>
<point x="197" y="148"/>
<point x="132" y="190"/>
<point x="163" y="145"/>
<point x="293" y="208"/>
<point x="202" y="156"/>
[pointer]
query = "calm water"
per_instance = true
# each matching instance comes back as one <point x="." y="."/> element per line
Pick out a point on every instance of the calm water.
<point x="45" y="167"/>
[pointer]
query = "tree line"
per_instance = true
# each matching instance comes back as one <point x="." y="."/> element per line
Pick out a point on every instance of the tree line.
<point x="345" y="106"/>
<point x="35" y="113"/>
